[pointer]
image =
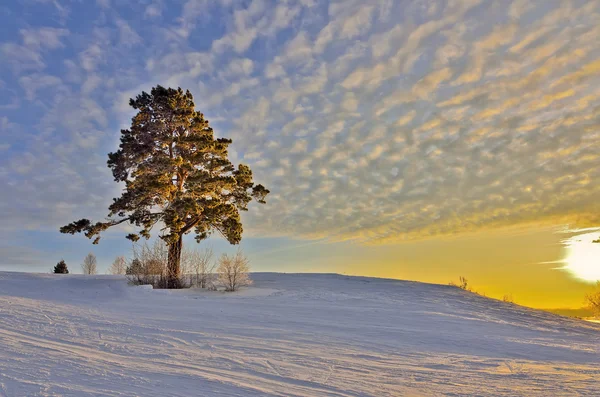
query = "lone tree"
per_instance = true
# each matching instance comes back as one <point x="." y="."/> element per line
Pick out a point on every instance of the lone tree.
<point x="61" y="268"/>
<point x="89" y="264"/>
<point x="175" y="172"/>
<point x="119" y="266"/>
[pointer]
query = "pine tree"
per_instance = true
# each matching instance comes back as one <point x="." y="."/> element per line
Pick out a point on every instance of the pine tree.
<point x="175" y="172"/>
<point x="135" y="268"/>
<point x="61" y="268"/>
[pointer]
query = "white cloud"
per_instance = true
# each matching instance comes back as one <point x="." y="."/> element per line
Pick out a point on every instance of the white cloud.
<point x="43" y="38"/>
<point x="357" y="24"/>
<point x="153" y="11"/>
<point x="34" y="82"/>
<point x="274" y="70"/>
<point x="239" y="67"/>
<point x="91" y="57"/>
<point x="127" y="36"/>
<point x="5" y="126"/>
<point x="350" y="102"/>
<point x="21" y="58"/>
<point x="298" y="48"/>
<point x="325" y="37"/>
<point x="243" y="32"/>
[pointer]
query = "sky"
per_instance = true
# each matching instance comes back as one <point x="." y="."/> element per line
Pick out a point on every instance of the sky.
<point x="410" y="139"/>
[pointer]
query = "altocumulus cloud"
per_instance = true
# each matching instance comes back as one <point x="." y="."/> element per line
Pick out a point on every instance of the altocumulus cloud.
<point x="376" y="121"/>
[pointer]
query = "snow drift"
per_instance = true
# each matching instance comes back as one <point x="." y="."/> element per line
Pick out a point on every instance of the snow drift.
<point x="288" y="335"/>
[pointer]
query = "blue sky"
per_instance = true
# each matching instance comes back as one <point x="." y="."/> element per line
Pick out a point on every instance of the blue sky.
<point x="373" y="123"/>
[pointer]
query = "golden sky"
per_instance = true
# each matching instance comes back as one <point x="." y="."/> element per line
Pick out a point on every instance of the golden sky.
<point x="519" y="263"/>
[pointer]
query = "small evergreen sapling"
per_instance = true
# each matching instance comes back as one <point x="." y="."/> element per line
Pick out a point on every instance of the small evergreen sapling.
<point x="61" y="268"/>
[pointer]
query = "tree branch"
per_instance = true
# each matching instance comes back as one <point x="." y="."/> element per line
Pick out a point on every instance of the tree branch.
<point x="190" y="225"/>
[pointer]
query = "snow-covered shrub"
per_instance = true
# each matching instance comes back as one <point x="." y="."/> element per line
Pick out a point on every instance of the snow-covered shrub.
<point x="233" y="271"/>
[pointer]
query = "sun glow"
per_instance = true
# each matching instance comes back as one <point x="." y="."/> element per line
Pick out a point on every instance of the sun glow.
<point x="582" y="257"/>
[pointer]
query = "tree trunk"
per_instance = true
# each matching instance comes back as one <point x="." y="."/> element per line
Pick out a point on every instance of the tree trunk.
<point x="174" y="264"/>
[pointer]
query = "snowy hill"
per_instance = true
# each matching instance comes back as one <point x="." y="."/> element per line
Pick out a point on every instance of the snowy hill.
<point x="288" y="335"/>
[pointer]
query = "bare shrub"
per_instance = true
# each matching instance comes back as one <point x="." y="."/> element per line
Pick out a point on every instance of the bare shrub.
<point x="233" y="271"/>
<point x="199" y="267"/>
<point x="508" y="298"/>
<point x="149" y="266"/>
<point x="593" y="300"/>
<point x="463" y="284"/>
<point x="119" y="266"/>
<point x="89" y="264"/>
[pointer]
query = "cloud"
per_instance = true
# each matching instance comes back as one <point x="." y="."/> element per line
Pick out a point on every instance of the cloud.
<point x="43" y="38"/>
<point x="6" y="125"/>
<point x="377" y="122"/>
<point x="153" y="11"/>
<point x="238" y="67"/>
<point x="21" y="58"/>
<point x="34" y="82"/>
<point x="358" y="23"/>
<point x="57" y="7"/>
<point x="127" y="36"/>
<point x="243" y="31"/>
<point x="19" y="255"/>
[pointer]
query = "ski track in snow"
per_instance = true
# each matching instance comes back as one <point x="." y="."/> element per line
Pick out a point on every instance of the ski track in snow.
<point x="288" y="335"/>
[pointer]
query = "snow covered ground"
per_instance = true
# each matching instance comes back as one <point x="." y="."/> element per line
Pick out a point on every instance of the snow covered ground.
<point x="288" y="335"/>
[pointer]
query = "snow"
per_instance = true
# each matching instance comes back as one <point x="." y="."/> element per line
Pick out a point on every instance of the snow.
<point x="287" y="335"/>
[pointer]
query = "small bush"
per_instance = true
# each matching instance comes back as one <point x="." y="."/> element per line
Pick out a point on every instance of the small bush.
<point x="593" y="300"/>
<point x="508" y="298"/>
<point x="463" y="284"/>
<point x="233" y="271"/>
<point x="149" y="266"/>
<point x="199" y="268"/>
<point x="61" y="268"/>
